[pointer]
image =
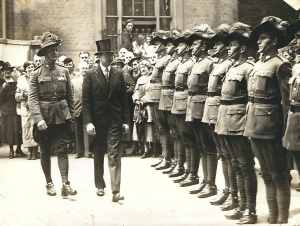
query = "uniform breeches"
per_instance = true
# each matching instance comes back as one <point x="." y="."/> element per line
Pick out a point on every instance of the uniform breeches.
<point x="272" y="158"/>
<point x="243" y="164"/>
<point x="59" y="136"/>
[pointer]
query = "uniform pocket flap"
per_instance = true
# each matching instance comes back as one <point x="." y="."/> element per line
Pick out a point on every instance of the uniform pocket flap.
<point x="44" y="105"/>
<point x="262" y="110"/>
<point x="235" y="78"/>
<point x="198" y="99"/>
<point x="155" y="86"/>
<point x="44" y="79"/>
<point x="235" y="111"/>
<point x="63" y="104"/>
<point x="168" y="92"/>
<point x="269" y="74"/>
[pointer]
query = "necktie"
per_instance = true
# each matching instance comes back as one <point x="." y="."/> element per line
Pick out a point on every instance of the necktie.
<point x="106" y="74"/>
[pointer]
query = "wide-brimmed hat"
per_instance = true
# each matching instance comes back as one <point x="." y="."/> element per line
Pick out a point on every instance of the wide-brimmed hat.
<point x="133" y="59"/>
<point x="118" y="61"/>
<point x="168" y="40"/>
<point x="241" y="32"/>
<point x="7" y="65"/>
<point x="272" y="25"/>
<point x="48" y="39"/>
<point x="291" y="30"/>
<point x="156" y="39"/>
<point x="104" y="46"/>
<point x="221" y="32"/>
<point x="198" y="35"/>
<point x="182" y="39"/>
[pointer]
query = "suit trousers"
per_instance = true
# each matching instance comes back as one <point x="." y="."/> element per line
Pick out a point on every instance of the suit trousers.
<point x="296" y="156"/>
<point x="108" y="139"/>
<point x="79" y="135"/>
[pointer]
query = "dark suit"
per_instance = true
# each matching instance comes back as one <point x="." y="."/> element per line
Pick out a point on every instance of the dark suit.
<point x="105" y="105"/>
<point x="127" y="40"/>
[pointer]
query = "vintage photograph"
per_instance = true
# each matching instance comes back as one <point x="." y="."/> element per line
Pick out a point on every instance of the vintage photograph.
<point x="149" y="112"/>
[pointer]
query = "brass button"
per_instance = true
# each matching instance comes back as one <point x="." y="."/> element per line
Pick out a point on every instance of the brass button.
<point x="293" y="101"/>
<point x="295" y="89"/>
<point x="253" y="81"/>
<point x="252" y="92"/>
<point x="269" y="113"/>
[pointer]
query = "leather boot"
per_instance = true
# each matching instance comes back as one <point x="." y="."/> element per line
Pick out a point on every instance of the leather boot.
<point x="170" y="169"/>
<point x="235" y="214"/>
<point x="156" y="164"/>
<point x="50" y="189"/>
<point x="221" y="199"/>
<point x="29" y="155"/>
<point x="249" y="217"/>
<point x="34" y="153"/>
<point x="199" y="188"/>
<point x="298" y="188"/>
<point x="231" y="203"/>
<point x="272" y="203"/>
<point x="178" y="171"/>
<point x="165" y="164"/>
<point x="67" y="190"/>
<point x="192" y="179"/>
<point x="183" y="177"/>
<point x="208" y="191"/>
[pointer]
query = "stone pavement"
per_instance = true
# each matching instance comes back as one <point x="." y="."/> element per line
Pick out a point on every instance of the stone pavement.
<point x="151" y="198"/>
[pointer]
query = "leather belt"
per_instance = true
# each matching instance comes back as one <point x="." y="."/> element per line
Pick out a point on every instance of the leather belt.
<point x="52" y="99"/>
<point x="294" y="108"/>
<point x="232" y="102"/>
<point x="264" y="100"/>
<point x="199" y="92"/>
<point x="155" y="81"/>
<point x="180" y="88"/>
<point x="168" y="87"/>
<point x="212" y="94"/>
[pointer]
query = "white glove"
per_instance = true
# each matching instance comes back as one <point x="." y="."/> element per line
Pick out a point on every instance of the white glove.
<point x="126" y="128"/>
<point x="90" y="128"/>
<point x="41" y="125"/>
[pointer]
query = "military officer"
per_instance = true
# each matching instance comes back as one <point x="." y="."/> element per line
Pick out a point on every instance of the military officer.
<point x="51" y="105"/>
<point x="268" y="103"/>
<point x="211" y="109"/>
<point x="153" y="97"/>
<point x="231" y="122"/>
<point x="179" y="105"/>
<point x="291" y="138"/>
<point x="167" y="121"/>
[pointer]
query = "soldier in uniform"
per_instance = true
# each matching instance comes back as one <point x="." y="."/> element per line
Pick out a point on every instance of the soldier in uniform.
<point x="51" y="105"/>
<point x="167" y="121"/>
<point x="211" y="109"/>
<point x="197" y="89"/>
<point x="179" y="106"/>
<point x="153" y="97"/>
<point x="268" y="104"/>
<point x="291" y="138"/>
<point x="231" y="123"/>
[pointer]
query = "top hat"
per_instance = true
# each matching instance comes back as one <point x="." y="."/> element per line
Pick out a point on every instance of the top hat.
<point x="48" y="39"/>
<point x="291" y="30"/>
<point x="272" y="25"/>
<point x="103" y="46"/>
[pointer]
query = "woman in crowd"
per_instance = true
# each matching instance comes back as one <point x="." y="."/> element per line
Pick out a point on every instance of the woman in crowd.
<point x="27" y="121"/>
<point x="143" y="117"/>
<point x="10" y="121"/>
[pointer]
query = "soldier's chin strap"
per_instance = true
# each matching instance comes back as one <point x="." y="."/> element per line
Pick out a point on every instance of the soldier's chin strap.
<point x="159" y="48"/>
<point x="219" y="51"/>
<point x="267" y="45"/>
<point x="172" y="51"/>
<point x="184" y="50"/>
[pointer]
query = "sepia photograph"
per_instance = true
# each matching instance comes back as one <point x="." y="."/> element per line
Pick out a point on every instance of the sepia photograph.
<point x="149" y="112"/>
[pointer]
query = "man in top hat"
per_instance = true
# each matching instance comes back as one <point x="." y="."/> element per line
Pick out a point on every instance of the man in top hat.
<point x="105" y="115"/>
<point x="51" y="105"/>
<point x="212" y="103"/>
<point x="197" y="89"/>
<point x="231" y="124"/>
<point x="268" y="104"/>
<point x="291" y="138"/>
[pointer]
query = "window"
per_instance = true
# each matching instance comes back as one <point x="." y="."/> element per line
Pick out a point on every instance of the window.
<point x="138" y="8"/>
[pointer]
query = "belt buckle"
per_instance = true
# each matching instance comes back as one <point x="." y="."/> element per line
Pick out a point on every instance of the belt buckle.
<point x="54" y="99"/>
<point x="251" y="99"/>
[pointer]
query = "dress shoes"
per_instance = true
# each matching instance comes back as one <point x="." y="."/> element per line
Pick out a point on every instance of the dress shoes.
<point x="178" y="171"/>
<point x="189" y="181"/>
<point x="208" y="191"/>
<point x="156" y="164"/>
<point x="67" y="190"/>
<point x="230" y="204"/>
<point x="91" y="155"/>
<point x="145" y="155"/>
<point x="50" y="189"/>
<point x="117" y="197"/>
<point x="165" y="164"/>
<point x="248" y="218"/>
<point x="221" y="199"/>
<point x="181" y="178"/>
<point x="198" y="189"/>
<point x="100" y="192"/>
<point x="298" y="188"/>
<point x="235" y="214"/>
<point x="170" y="169"/>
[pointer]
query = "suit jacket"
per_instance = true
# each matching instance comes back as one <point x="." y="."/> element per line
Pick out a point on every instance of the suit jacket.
<point x="101" y="101"/>
<point x="77" y="96"/>
<point x="127" y="40"/>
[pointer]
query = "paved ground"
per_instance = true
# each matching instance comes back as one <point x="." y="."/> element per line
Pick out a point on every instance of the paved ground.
<point x="151" y="198"/>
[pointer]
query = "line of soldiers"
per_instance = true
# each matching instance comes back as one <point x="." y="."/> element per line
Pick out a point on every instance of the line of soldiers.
<point x="212" y="100"/>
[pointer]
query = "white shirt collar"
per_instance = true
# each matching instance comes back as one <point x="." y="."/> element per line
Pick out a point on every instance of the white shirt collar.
<point x="103" y="68"/>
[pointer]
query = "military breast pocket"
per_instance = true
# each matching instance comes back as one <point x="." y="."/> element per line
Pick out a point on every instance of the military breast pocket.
<point x="168" y="98"/>
<point x="198" y="103"/>
<point x="262" y="81"/>
<point x="45" y="84"/>
<point x="213" y="107"/>
<point x="65" y="110"/>
<point x="236" y="118"/>
<point x="181" y="102"/>
<point x="268" y="119"/>
<point x="203" y="79"/>
<point x="232" y="83"/>
<point x="44" y="110"/>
